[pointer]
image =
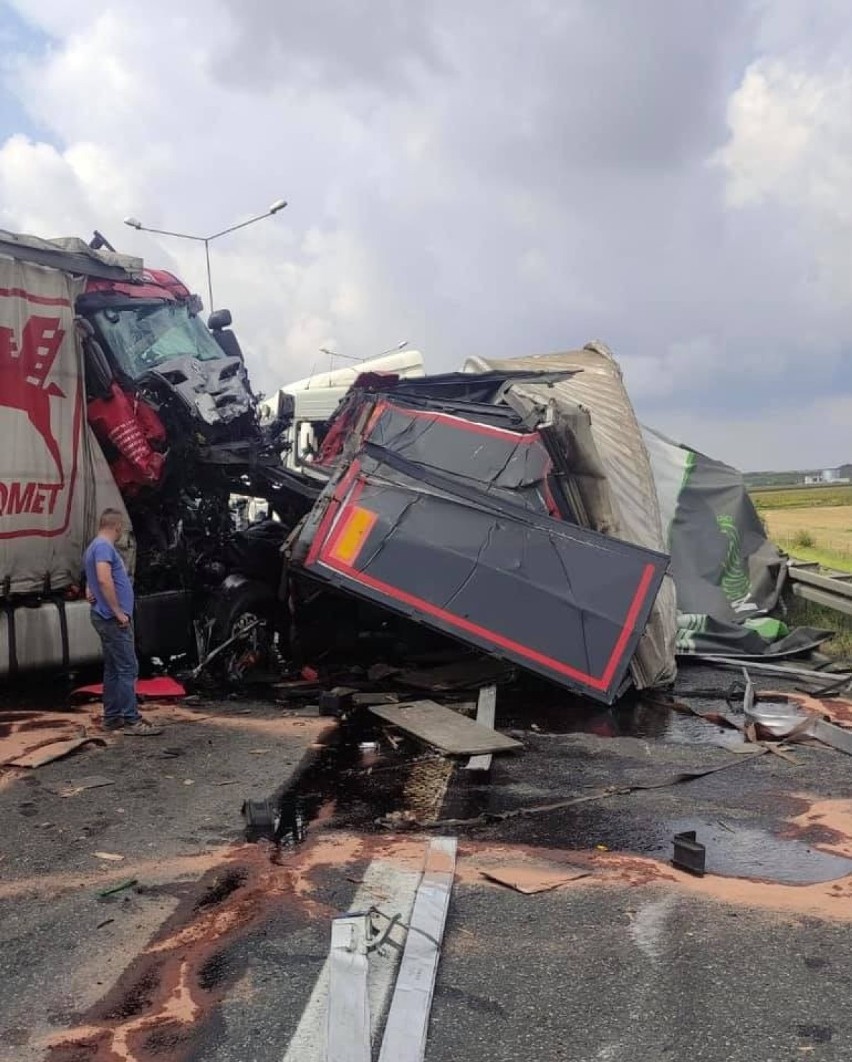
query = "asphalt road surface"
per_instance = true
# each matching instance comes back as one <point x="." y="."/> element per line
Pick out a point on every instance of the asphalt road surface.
<point x="218" y="951"/>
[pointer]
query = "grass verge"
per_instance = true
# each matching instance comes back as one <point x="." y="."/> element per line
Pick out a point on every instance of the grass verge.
<point x="802" y="613"/>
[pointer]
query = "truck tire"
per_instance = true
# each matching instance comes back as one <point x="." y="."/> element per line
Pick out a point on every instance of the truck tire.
<point x="241" y="603"/>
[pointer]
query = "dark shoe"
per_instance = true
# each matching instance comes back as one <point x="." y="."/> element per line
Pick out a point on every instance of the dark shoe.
<point x="112" y="728"/>
<point x="142" y="729"/>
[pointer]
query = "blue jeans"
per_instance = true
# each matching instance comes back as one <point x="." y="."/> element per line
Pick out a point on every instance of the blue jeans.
<point x="120" y="671"/>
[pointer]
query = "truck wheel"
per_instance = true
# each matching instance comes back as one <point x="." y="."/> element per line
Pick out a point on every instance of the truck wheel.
<point x="250" y="607"/>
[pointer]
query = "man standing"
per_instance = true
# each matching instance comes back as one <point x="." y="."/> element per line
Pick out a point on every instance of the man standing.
<point x="111" y="595"/>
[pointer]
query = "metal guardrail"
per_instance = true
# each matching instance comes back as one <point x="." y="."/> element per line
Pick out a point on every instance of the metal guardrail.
<point x="831" y="590"/>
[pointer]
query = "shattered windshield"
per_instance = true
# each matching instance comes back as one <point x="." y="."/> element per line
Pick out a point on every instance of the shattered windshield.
<point x="149" y="334"/>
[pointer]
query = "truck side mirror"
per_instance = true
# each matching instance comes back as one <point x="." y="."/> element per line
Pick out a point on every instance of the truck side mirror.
<point x="219" y="319"/>
<point x="286" y="407"/>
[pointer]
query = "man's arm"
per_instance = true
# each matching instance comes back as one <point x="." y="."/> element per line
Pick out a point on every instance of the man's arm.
<point x="104" y="570"/>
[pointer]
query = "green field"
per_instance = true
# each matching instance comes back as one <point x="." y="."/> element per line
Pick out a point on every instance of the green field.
<point x="818" y="496"/>
<point x="810" y="523"/>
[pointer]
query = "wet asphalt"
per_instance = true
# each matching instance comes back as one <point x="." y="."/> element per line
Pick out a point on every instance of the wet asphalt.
<point x="611" y="968"/>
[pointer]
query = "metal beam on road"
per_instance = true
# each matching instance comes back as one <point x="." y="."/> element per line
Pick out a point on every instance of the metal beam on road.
<point x="348" y="1024"/>
<point x="408" y="1019"/>
<point x="394" y="889"/>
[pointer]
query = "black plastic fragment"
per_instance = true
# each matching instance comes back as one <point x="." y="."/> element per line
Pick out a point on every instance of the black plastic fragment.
<point x="260" y="819"/>
<point x="283" y="824"/>
<point x="689" y="854"/>
<point x="333" y="702"/>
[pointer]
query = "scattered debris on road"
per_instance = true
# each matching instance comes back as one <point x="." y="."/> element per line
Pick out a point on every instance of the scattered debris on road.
<point x="58" y="750"/>
<point x="113" y="889"/>
<point x="533" y="876"/>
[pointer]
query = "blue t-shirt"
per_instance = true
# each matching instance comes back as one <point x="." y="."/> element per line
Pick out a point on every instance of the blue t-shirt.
<point x="100" y="549"/>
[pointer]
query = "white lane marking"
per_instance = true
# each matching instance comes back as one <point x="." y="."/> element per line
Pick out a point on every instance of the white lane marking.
<point x="648" y="926"/>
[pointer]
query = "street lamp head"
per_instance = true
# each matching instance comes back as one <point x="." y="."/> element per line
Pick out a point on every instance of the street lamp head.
<point x="279" y="204"/>
<point x="134" y="223"/>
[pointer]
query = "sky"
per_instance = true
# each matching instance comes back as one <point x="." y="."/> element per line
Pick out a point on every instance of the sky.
<point x="493" y="177"/>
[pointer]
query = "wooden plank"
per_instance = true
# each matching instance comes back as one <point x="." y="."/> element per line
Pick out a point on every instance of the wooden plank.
<point x="443" y="728"/>
<point x="486" y="715"/>
<point x="408" y="1017"/>
<point x="348" y="1022"/>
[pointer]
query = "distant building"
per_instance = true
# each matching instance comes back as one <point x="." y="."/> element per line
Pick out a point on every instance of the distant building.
<point x="828" y="475"/>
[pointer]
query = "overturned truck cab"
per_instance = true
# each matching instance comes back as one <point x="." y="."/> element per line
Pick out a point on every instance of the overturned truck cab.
<point x="450" y="504"/>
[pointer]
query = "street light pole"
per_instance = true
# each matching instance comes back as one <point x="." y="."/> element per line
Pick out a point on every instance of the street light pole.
<point x="135" y="223"/>
<point x="209" y="274"/>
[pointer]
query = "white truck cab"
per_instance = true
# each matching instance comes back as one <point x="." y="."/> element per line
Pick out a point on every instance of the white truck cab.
<point x="315" y="398"/>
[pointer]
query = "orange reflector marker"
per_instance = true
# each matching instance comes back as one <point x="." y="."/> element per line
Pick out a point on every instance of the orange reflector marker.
<point x="351" y="537"/>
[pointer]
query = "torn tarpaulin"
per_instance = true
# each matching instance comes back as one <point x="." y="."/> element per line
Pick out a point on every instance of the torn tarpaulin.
<point x="462" y="524"/>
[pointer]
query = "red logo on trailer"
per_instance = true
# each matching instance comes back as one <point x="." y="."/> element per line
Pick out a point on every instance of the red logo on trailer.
<point x="38" y="380"/>
<point x="25" y="367"/>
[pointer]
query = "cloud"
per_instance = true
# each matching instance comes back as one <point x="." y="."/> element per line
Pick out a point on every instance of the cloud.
<point x="791" y="146"/>
<point x="752" y="441"/>
<point x="476" y="178"/>
<point x="379" y="45"/>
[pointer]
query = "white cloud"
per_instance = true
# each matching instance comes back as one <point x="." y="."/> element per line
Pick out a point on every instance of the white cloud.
<point x="473" y="178"/>
<point x="791" y="145"/>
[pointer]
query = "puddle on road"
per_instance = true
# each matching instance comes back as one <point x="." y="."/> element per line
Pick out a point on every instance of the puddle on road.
<point x="352" y="788"/>
<point x="740" y="851"/>
<point x="361" y="776"/>
<point x="631" y="718"/>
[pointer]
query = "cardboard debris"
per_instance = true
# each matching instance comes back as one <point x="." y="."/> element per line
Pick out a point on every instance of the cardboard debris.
<point x="55" y="751"/>
<point x="31" y="730"/>
<point x="445" y="729"/>
<point x="533" y="876"/>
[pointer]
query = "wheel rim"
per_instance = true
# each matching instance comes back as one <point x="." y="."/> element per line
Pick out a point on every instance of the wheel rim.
<point x="248" y="651"/>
